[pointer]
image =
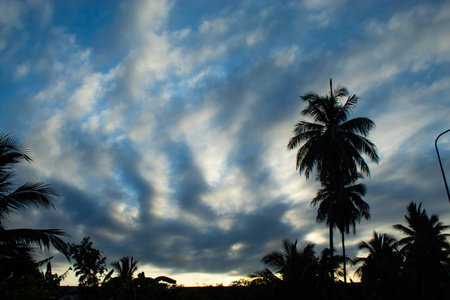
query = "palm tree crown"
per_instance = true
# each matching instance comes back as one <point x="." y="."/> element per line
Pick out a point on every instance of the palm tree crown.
<point x="342" y="209"/>
<point x="332" y="141"/>
<point x="381" y="269"/>
<point x="126" y="268"/>
<point x="427" y="253"/>
<point x="424" y="235"/>
<point x="382" y="257"/>
<point x="298" y="269"/>
<point x="292" y="264"/>
<point x="346" y="207"/>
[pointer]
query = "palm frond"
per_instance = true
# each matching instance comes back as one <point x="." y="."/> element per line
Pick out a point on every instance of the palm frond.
<point x="340" y="91"/>
<point x="358" y="125"/>
<point x="274" y="259"/>
<point x="42" y="238"/>
<point x="265" y="274"/>
<point x="404" y="229"/>
<point x="304" y="131"/>
<point x="343" y="111"/>
<point x="363" y="145"/>
<point x="316" y="109"/>
<point x="12" y="150"/>
<point x="30" y="194"/>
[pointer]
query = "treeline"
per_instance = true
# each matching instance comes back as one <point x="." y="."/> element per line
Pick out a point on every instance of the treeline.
<point x="415" y="267"/>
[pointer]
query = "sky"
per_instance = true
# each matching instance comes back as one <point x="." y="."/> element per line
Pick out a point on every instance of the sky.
<point x="163" y="125"/>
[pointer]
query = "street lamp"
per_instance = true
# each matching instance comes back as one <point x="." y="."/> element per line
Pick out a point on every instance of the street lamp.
<point x="440" y="163"/>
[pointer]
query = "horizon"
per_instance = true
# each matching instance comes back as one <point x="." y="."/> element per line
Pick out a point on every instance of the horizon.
<point x="163" y="125"/>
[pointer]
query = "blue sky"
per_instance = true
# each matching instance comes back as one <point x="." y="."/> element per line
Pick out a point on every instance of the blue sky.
<point x="163" y="125"/>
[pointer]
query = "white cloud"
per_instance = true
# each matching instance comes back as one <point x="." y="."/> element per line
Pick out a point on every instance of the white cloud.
<point x="294" y="218"/>
<point x="112" y="118"/>
<point x="321" y="12"/>
<point x="319" y="4"/>
<point x="21" y="71"/>
<point x="11" y="13"/>
<point x="316" y="238"/>
<point x="215" y="27"/>
<point x="211" y="145"/>
<point x="405" y="117"/>
<point x="286" y="57"/>
<point x="235" y="249"/>
<point x="83" y="100"/>
<point x="254" y="37"/>
<point x="409" y="42"/>
<point x="233" y="195"/>
<point x="149" y="15"/>
<point x="126" y="215"/>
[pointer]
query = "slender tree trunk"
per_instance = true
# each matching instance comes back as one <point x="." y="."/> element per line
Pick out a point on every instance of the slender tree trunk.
<point x="331" y="241"/>
<point x="331" y="225"/>
<point x="331" y="251"/>
<point x="343" y="254"/>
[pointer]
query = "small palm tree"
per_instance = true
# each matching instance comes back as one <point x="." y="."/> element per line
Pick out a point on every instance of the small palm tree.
<point x="15" y="199"/>
<point x="381" y="268"/>
<point x="424" y="235"/>
<point x="328" y="269"/>
<point x="125" y="267"/>
<point x="297" y="268"/>
<point x="427" y="251"/>
<point x="291" y="263"/>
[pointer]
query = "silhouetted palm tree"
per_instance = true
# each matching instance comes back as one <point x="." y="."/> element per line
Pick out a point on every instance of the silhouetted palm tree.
<point x="343" y="209"/>
<point x="297" y="268"/>
<point x="13" y="200"/>
<point x="332" y="144"/>
<point x="126" y="268"/>
<point x="125" y="286"/>
<point x="381" y="268"/>
<point x="427" y="251"/>
<point x="327" y="270"/>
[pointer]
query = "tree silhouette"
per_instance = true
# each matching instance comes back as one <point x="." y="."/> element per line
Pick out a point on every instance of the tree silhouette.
<point x="381" y="268"/>
<point x="297" y="268"/>
<point x="89" y="263"/>
<point x="16" y="244"/>
<point x="125" y="267"/>
<point x="332" y="144"/>
<point x="427" y="252"/>
<point x="125" y="286"/>
<point x="343" y="209"/>
<point x="327" y="270"/>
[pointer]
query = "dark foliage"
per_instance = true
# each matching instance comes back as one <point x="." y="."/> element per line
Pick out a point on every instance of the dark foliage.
<point x="415" y="267"/>
<point x="89" y="264"/>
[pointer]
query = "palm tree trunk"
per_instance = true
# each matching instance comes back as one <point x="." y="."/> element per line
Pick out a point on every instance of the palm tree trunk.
<point x="331" y="225"/>
<point x="343" y="254"/>
<point x="331" y="241"/>
<point x="331" y="251"/>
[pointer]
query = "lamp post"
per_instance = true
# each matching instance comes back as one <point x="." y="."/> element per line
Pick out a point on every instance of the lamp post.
<point x="440" y="163"/>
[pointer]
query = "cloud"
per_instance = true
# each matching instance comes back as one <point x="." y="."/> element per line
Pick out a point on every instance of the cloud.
<point x="166" y="137"/>
<point x="410" y="41"/>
